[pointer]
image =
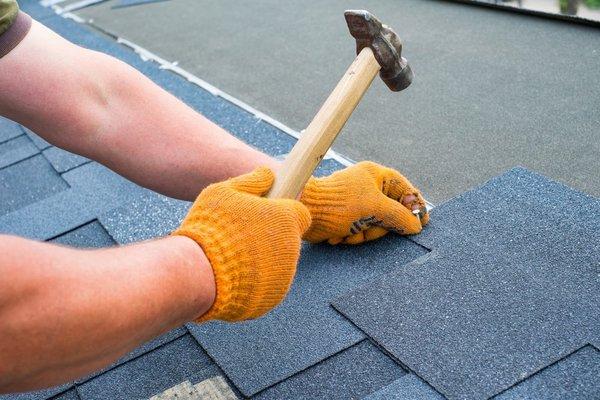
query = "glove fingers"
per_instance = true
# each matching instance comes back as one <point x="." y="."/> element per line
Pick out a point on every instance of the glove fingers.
<point x="257" y="182"/>
<point x="301" y="213"/>
<point x="357" y="238"/>
<point x="375" y="233"/>
<point x="396" y="186"/>
<point x="335" y="240"/>
<point x="396" y="217"/>
<point x="365" y="236"/>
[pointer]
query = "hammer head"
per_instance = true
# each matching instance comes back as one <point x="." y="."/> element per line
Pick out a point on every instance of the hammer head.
<point x="386" y="45"/>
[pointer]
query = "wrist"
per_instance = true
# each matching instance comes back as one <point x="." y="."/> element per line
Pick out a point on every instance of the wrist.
<point x="196" y="275"/>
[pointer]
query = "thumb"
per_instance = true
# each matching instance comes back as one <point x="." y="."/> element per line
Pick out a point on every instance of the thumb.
<point x="257" y="182"/>
<point x="301" y="213"/>
<point x="395" y="217"/>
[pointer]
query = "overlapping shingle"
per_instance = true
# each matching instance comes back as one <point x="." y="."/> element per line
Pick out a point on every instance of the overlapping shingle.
<point x="27" y="182"/>
<point x="94" y="190"/>
<point x="15" y="150"/>
<point x="575" y="378"/>
<point x="304" y="329"/>
<point x="62" y="160"/>
<point x="39" y="394"/>
<point x="152" y="373"/>
<point x="409" y="387"/>
<point x="9" y="129"/>
<point x="89" y="235"/>
<point x="145" y="217"/>
<point x="349" y="374"/>
<point x="288" y="340"/>
<point x="511" y="287"/>
<point x="37" y="140"/>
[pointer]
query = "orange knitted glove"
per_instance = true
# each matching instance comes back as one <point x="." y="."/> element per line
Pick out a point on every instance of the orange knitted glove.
<point x="360" y="203"/>
<point x="252" y="243"/>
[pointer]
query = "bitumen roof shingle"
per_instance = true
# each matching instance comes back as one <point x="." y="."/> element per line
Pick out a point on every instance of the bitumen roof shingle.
<point x="306" y="348"/>
<point x="510" y="287"/>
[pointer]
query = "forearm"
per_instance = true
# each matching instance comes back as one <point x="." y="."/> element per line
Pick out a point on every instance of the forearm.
<point x="65" y="313"/>
<point x="94" y="105"/>
<point x="159" y="142"/>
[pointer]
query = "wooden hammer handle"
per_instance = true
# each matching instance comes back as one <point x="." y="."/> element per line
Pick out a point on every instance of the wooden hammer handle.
<point x="325" y="126"/>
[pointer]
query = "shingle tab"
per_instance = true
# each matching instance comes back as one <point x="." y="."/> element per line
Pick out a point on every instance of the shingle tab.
<point x="89" y="235"/>
<point x="141" y="350"/>
<point x="68" y="395"/>
<point x="27" y="182"/>
<point x="575" y="378"/>
<point x="152" y="373"/>
<point x="94" y="190"/>
<point x="513" y="289"/>
<point x="62" y="160"/>
<point x="304" y="329"/>
<point x="38" y="394"/>
<point x="144" y="217"/>
<point x="350" y="374"/>
<point x="305" y="319"/>
<point x="15" y="150"/>
<point x="409" y="387"/>
<point x="37" y="140"/>
<point x="9" y="129"/>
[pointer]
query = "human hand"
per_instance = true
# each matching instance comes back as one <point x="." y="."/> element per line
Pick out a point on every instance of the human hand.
<point x="362" y="203"/>
<point x="252" y="243"/>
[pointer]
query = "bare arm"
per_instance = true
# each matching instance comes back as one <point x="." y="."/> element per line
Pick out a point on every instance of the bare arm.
<point x="94" y="105"/>
<point x="65" y="313"/>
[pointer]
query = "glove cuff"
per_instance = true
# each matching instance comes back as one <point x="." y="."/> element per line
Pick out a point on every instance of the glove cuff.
<point x="247" y="284"/>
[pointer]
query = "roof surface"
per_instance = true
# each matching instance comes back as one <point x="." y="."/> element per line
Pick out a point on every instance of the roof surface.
<point x="492" y="89"/>
<point x="498" y="296"/>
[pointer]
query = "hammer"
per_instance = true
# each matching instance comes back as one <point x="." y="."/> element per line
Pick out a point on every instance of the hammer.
<point x="379" y="50"/>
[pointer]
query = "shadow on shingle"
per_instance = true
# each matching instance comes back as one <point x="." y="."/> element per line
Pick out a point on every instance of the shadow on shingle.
<point x="89" y="235"/>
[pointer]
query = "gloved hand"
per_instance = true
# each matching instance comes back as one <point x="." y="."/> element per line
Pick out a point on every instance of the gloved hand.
<point x="252" y="243"/>
<point x="361" y="203"/>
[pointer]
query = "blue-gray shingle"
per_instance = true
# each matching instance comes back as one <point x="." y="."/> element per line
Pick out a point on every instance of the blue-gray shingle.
<point x="62" y="160"/>
<point x="27" y="182"/>
<point x="349" y="374"/>
<point x="409" y="387"/>
<point x="89" y="235"/>
<point x="9" y="129"/>
<point x="575" y="378"/>
<point x="304" y="329"/>
<point x="152" y="373"/>
<point x="145" y="217"/>
<point x="37" y="140"/>
<point x="38" y="394"/>
<point x="15" y="150"/>
<point x="511" y="287"/>
<point x="94" y="190"/>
